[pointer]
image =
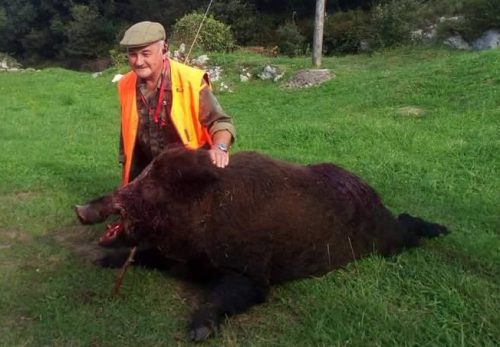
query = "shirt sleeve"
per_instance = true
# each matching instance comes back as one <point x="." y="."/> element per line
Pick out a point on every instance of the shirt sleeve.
<point x="212" y="115"/>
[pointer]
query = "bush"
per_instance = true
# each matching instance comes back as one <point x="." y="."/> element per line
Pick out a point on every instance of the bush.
<point x="475" y="17"/>
<point x="344" y="31"/>
<point x="118" y="57"/>
<point x="290" y="40"/>
<point x="479" y="16"/>
<point x="89" y="35"/>
<point x="393" y="21"/>
<point x="241" y="17"/>
<point x="214" y="36"/>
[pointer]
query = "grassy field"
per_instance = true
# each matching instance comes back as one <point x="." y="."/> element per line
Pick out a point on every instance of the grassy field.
<point x="422" y="126"/>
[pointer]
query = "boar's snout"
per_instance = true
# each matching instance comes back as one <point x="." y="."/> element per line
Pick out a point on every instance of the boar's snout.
<point x="95" y="211"/>
<point x="87" y="214"/>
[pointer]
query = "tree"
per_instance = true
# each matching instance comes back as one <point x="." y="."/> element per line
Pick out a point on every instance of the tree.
<point x="89" y="35"/>
<point x="240" y="16"/>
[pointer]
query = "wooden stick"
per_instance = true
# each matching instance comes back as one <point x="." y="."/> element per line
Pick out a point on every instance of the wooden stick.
<point x="124" y="268"/>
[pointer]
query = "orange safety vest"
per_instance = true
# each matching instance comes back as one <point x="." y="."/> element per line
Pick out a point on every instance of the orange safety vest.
<point x="186" y="86"/>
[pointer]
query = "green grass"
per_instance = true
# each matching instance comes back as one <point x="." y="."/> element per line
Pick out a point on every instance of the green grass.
<point x="58" y="140"/>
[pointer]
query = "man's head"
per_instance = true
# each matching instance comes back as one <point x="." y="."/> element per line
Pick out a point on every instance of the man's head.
<point x="145" y="45"/>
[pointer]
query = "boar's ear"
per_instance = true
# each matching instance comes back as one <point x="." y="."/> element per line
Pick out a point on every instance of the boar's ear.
<point x="194" y="180"/>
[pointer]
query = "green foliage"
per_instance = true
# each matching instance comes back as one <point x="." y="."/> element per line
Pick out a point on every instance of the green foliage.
<point x="88" y="33"/>
<point x="433" y="9"/>
<point x="481" y="15"/>
<point x="240" y="16"/>
<point x="215" y="36"/>
<point x="19" y="18"/>
<point x="476" y="16"/>
<point x="392" y="21"/>
<point x="118" y="57"/>
<point x="3" y="18"/>
<point x="290" y="40"/>
<point x="344" y="31"/>
<point x="63" y="32"/>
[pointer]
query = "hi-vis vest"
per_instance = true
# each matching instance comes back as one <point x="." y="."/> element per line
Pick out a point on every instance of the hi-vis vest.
<point x="186" y="86"/>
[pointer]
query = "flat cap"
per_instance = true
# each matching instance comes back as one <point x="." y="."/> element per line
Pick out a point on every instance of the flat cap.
<point x="142" y="34"/>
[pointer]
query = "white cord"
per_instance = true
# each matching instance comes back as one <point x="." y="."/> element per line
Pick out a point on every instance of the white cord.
<point x="198" y="32"/>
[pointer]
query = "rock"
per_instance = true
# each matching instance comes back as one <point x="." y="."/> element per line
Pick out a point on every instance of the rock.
<point x="7" y="63"/>
<point x="411" y="111"/>
<point x="271" y="73"/>
<point x="215" y="73"/>
<point x="268" y="73"/>
<point x="201" y="61"/>
<point x="96" y="74"/>
<point x="245" y="75"/>
<point x="489" y="40"/>
<point x="179" y="54"/>
<point x="116" y="78"/>
<point x="449" y="19"/>
<point x="427" y="34"/>
<point x="225" y="88"/>
<point x="309" y="78"/>
<point x="457" y="42"/>
<point x="364" y="46"/>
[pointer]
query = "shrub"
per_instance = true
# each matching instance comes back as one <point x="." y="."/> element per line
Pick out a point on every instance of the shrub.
<point x="88" y="34"/>
<point x="214" y="36"/>
<point x="479" y="16"/>
<point x="393" y="21"/>
<point x="476" y="16"/>
<point x="240" y="16"/>
<point x="118" y="57"/>
<point x="290" y="40"/>
<point x="344" y="31"/>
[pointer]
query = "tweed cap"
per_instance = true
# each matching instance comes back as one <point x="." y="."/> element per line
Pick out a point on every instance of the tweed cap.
<point x="142" y="34"/>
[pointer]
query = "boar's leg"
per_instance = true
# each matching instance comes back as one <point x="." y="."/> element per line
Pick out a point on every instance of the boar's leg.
<point x="95" y="211"/>
<point x="229" y="294"/>
<point x="146" y="256"/>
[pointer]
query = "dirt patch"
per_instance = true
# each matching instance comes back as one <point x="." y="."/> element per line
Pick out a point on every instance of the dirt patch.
<point x="9" y="200"/>
<point x="9" y="237"/>
<point x="411" y="111"/>
<point x="80" y="240"/>
<point x="14" y="235"/>
<point x="309" y="78"/>
<point x="15" y="197"/>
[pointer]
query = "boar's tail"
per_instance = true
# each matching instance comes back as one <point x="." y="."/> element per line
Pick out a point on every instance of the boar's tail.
<point x="420" y="227"/>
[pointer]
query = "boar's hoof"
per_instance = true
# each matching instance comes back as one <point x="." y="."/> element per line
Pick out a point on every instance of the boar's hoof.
<point x="203" y="325"/>
<point x="200" y="334"/>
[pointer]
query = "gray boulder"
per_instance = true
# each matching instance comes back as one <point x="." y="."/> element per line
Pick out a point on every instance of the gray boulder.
<point x="457" y="42"/>
<point x="489" y="40"/>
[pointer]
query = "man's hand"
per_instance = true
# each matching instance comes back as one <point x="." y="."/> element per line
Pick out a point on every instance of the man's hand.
<point x="219" y="155"/>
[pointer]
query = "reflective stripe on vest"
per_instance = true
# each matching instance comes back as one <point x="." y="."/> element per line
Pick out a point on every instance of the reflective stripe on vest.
<point x="186" y="86"/>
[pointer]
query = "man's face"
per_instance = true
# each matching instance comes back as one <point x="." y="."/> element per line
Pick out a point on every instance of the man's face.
<point x="147" y="61"/>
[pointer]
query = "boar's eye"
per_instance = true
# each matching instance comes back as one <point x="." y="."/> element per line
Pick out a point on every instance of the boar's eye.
<point x="151" y="193"/>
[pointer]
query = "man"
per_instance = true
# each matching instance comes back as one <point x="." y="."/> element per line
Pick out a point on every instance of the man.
<point x="165" y="103"/>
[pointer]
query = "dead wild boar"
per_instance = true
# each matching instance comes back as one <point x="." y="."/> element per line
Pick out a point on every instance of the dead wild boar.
<point x="257" y="222"/>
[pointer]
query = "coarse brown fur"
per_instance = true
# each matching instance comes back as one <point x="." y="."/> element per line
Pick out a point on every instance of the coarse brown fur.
<point x="257" y="222"/>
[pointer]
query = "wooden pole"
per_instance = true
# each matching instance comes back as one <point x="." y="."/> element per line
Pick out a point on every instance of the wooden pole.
<point x="318" y="33"/>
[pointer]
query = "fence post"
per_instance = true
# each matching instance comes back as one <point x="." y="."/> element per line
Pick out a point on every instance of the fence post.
<point x="318" y="33"/>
